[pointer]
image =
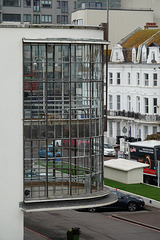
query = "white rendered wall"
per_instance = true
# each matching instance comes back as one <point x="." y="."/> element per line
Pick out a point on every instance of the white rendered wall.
<point x="121" y="23"/>
<point x="133" y="90"/>
<point x="11" y="121"/>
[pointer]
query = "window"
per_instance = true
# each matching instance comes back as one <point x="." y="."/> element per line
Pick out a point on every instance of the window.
<point x="64" y="7"/>
<point x="118" y="102"/>
<point x="27" y="18"/>
<point x="13" y="3"/>
<point x="110" y="129"/>
<point x="36" y="6"/>
<point x="129" y="78"/>
<point x="46" y="19"/>
<point x="146" y="105"/>
<point x="117" y="56"/>
<point x="58" y="4"/>
<point x="36" y="19"/>
<point x="138" y="79"/>
<point x="75" y="4"/>
<point x="64" y="19"/>
<point x="145" y="131"/>
<point x="110" y="102"/>
<point x="154" y="79"/>
<point x="26" y="3"/>
<point x="154" y="130"/>
<point x="146" y="79"/>
<point x="110" y="78"/>
<point x="98" y="5"/>
<point x="129" y="103"/>
<point x="58" y="19"/>
<point x="11" y="17"/>
<point x="154" y="105"/>
<point x="118" y="78"/>
<point x="47" y="4"/>
<point x="138" y="104"/>
<point x="118" y="129"/>
<point x="134" y="54"/>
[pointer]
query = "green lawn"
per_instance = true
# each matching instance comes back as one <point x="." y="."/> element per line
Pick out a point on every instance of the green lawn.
<point x="139" y="189"/>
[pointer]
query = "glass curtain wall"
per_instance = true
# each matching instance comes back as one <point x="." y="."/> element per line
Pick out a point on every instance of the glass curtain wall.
<point x="63" y="120"/>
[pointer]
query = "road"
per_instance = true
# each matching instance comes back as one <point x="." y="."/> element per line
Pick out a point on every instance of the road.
<point x="94" y="226"/>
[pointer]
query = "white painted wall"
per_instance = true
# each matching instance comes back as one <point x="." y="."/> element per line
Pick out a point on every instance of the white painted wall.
<point x="121" y="22"/>
<point x="11" y="124"/>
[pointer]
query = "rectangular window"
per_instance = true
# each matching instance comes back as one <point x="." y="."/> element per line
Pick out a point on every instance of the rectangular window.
<point x="118" y="129"/>
<point x="12" y="3"/>
<point x="27" y="18"/>
<point x="154" y="79"/>
<point x="118" y="78"/>
<point x="110" y="102"/>
<point x="110" y="129"/>
<point x="98" y="5"/>
<point x="36" y="19"/>
<point x="145" y="131"/>
<point x="138" y="104"/>
<point x="138" y="79"/>
<point x="46" y="4"/>
<point x="36" y="6"/>
<point x="64" y="19"/>
<point x="75" y="4"/>
<point x="154" y="130"/>
<point x="129" y="78"/>
<point x="58" y="4"/>
<point x="64" y="7"/>
<point x="118" y="102"/>
<point x="146" y="105"/>
<point x="46" y="19"/>
<point x="110" y="78"/>
<point x="129" y="103"/>
<point x="58" y="19"/>
<point x="154" y="105"/>
<point x="11" y="17"/>
<point x="26" y="3"/>
<point x="146" y="79"/>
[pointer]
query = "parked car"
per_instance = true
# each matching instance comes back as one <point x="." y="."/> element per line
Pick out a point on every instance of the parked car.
<point x="30" y="174"/>
<point x="125" y="201"/>
<point x="42" y="152"/>
<point x="109" y="150"/>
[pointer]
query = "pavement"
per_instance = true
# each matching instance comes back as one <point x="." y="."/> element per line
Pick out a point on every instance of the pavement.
<point x="149" y="217"/>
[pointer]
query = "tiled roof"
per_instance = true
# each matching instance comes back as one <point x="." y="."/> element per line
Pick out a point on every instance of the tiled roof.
<point x="140" y="37"/>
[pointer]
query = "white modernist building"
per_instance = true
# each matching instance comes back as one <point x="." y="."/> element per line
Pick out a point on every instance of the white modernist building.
<point x="42" y="69"/>
<point x="134" y="87"/>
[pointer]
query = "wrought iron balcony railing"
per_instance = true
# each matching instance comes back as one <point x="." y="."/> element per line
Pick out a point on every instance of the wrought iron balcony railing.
<point x="135" y="115"/>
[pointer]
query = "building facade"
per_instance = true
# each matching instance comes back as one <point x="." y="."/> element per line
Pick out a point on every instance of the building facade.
<point x="52" y="121"/>
<point x="134" y="86"/>
<point x="37" y="11"/>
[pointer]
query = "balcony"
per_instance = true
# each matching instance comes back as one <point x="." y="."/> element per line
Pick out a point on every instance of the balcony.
<point x="134" y="115"/>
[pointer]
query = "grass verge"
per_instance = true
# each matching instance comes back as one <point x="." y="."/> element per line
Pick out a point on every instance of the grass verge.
<point x="139" y="189"/>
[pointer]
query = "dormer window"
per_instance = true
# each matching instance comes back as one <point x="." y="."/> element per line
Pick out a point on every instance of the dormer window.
<point x="134" y="54"/>
<point x="117" y="56"/>
<point x="144" y="53"/>
<point x="153" y="57"/>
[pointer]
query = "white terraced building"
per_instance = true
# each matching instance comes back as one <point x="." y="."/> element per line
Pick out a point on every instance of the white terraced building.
<point x="134" y="86"/>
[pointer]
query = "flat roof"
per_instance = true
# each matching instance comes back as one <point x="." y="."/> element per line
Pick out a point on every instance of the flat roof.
<point x="66" y="40"/>
<point x="150" y="143"/>
<point x="124" y="164"/>
<point x="52" y="26"/>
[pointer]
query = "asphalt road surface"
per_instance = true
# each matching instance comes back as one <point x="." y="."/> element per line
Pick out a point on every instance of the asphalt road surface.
<point x="94" y="226"/>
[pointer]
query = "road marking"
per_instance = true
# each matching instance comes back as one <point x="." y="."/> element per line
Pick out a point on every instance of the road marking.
<point x="37" y="233"/>
<point x="135" y="223"/>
